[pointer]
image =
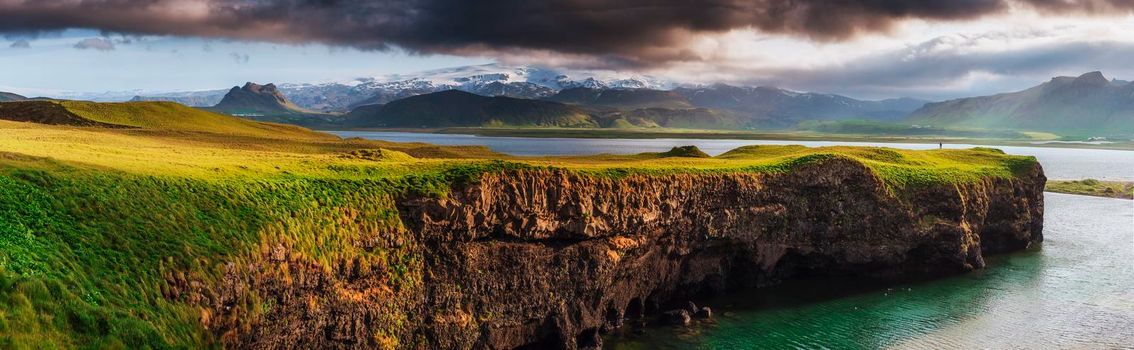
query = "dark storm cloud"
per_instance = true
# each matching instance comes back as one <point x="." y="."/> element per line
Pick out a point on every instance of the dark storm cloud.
<point x="628" y="32"/>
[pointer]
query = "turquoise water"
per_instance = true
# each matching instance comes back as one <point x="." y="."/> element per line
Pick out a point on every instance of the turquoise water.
<point x="1075" y="291"/>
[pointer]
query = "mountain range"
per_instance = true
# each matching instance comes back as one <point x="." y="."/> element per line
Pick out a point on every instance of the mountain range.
<point x="600" y="94"/>
<point x="1087" y="104"/>
<point x="191" y="98"/>
<point x="487" y="80"/>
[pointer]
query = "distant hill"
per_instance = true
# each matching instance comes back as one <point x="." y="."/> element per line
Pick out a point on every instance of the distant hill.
<point x="1088" y="104"/>
<point x="156" y="116"/>
<point x="266" y="103"/>
<point x="254" y="99"/>
<point x="789" y="107"/>
<point x="693" y="118"/>
<point x="454" y="108"/>
<point x="8" y="97"/>
<point x="726" y="107"/>
<point x="622" y="98"/>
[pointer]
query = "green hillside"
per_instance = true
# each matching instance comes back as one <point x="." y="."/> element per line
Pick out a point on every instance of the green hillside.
<point x="456" y="108"/>
<point x="153" y="116"/>
<point x="692" y="118"/>
<point x="623" y="98"/>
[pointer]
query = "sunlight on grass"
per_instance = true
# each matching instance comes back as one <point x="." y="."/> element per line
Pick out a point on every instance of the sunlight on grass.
<point x="95" y="223"/>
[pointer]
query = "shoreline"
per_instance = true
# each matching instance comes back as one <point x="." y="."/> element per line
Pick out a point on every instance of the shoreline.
<point x="736" y="135"/>
<point x="1093" y="188"/>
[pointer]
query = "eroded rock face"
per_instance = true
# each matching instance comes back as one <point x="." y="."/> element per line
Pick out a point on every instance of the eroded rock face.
<point x="552" y="259"/>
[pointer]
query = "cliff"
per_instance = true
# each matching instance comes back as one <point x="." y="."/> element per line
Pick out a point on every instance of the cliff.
<point x="217" y="232"/>
<point x="554" y="258"/>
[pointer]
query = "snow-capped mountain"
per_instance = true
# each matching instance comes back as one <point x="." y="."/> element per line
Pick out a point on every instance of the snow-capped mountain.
<point x="567" y="86"/>
<point x="487" y="80"/>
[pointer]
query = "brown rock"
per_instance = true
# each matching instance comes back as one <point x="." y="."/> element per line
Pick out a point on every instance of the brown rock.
<point x="549" y="258"/>
<point x="677" y="317"/>
<point x="704" y="312"/>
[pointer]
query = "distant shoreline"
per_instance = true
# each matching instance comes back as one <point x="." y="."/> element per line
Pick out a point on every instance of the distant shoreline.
<point x="1092" y="187"/>
<point x="738" y="135"/>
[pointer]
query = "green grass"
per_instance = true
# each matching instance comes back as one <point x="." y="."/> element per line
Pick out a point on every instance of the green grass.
<point x="170" y="116"/>
<point x="97" y="225"/>
<point x="87" y="254"/>
<point x="1092" y="187"/>
<point x="895" y="167"/>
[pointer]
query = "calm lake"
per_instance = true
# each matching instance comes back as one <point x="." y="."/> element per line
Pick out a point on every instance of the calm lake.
<point x="1075" y="291"/>
<point x="1058" y="163"/>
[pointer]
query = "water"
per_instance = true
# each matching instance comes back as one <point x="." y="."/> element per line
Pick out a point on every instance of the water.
<point x="1074" y="291"/>
<point x="1058" y="163"/>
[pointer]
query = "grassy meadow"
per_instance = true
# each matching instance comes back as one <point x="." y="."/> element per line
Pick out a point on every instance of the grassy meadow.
<point x="100" y="227"/>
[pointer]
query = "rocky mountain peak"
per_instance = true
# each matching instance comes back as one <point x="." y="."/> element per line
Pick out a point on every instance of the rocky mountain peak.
<point x="1092" y="78"/>
<point x="254" y="98"/>
<point x="266" y="90"/>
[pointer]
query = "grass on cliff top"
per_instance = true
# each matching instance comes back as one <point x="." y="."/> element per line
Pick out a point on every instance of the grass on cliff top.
<point x="220" y="155"/>
<point x="95" y="222"/>
<point x="895" y="166"/>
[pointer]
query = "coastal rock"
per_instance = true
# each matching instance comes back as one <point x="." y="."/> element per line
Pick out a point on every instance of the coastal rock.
<point x="704" y="312"/>
<point x="678" y="317"/>
<point x="693" y="309"/>
<point x="551" y="259"/>
<point x="576" y="249"/>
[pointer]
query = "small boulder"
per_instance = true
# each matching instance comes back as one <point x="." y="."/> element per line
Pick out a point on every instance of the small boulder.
<point x="678" y="317"/>
<point x="692" y="308"/>
<point x="704" y="312"/>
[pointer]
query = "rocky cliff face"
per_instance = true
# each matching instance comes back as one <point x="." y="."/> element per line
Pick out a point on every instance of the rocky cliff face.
<point x="554" y="258"/>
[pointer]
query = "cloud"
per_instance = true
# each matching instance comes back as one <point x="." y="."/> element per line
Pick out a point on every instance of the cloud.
<point x="100" y="44"/>
<point x="20" y="44"/>
<point x="956" y="65"/>
<point x="238" y="57"/>
<point x="613" y="32"/>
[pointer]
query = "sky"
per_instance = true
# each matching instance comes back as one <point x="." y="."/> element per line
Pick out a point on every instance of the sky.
<point x="860" y="48"/>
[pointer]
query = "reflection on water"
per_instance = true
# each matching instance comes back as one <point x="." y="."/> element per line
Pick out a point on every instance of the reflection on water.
<point x="1077" y="291"/>
<point x="1059" y="163"/>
